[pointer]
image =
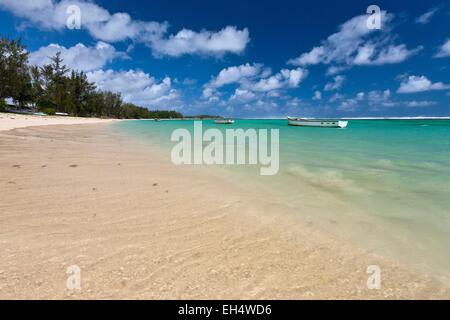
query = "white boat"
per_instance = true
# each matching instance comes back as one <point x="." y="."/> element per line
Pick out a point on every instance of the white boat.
<point x="323" y="123"/>
<point x="224" y="121"/>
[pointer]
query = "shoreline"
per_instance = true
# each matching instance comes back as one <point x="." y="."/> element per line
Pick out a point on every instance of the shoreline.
<point x="335" y="200"/>
<point x="83" y="195"/>
<point x="10" y="121"/>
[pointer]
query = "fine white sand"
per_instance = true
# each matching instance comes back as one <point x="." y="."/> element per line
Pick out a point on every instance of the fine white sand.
<point x="140" y="228"/>
<point x="10" y="121"/>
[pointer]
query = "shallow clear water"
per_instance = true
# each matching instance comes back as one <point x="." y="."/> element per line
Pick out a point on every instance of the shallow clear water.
<point x="382" y="183"/>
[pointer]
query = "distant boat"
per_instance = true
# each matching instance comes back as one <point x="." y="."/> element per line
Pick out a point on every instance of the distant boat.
<point x="224" y="121"/>
<point x="157" y="120"/>
<point x="322" y="123"/>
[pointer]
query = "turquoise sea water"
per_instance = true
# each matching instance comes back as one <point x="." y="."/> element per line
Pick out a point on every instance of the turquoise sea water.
<point x="384" y="184"/>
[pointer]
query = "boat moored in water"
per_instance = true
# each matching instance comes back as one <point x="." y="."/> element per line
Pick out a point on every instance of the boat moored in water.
<point x="321" y="123"/>
<point x="224" y="121"/>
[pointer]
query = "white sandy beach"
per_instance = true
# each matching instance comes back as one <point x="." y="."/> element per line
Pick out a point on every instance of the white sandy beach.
<point x="140" y="228"/>
<point x="10" y="121"/>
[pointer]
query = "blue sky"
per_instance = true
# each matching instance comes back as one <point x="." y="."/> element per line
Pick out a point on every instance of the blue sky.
<point x="250" y="59"/>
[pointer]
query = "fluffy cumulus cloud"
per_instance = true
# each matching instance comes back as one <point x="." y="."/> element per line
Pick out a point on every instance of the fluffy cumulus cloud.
<point x="253" y="81"/>
<point x="243" y="95"/>
<point x="236" y="74"/>
<point x="284" y="79"/>
<point x="136" y="87"/>
<point x="78" y="57"/>
<point x="253" y="89"/>
<point x="356" y="44"/>
<point x="229" y="39"/>
<point x="104" y="26"/>
<point x="414" y="84"/>
<point x="444" y="50"/>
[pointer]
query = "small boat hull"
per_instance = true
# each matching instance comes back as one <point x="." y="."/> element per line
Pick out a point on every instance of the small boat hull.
<point x="224" y="121"/>
<point x="317" y="123"/>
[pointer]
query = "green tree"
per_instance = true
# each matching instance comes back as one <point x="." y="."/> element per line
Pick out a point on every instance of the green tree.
<point x="37" y="85"/>
<point x="15" y="80"/>
<point x="96" y="103"/>
<point x="56" y="83"/>
<point x="52" y="88"/>
<point x="80" y="89"/>
<point x="112" y="105"/>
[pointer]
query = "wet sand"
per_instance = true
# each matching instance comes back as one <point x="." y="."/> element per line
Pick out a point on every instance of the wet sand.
<point x="140" y="228"/>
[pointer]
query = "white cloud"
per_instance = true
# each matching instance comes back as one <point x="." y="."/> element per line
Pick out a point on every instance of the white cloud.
<point x="426" y="17"/>
<point x="243" y="95"/>
<point x="105" y="26"/>
<point x="380" y="98"/>
<point x="293" y="102"/>
<point x="375" y="99"/>
<point x="317" y="95"/>
<point x="284" y="79"/>
<point x="333" y="70"/>
<point x="335" y="97"/>
<point x="444" y="50"/>
<point x="120" y="26"/>
<point x="255" y="87"/>
<point x="315" y="56"/>
<point x="360" y="96"/>
<point x="420" y="84"/>
<point x="355" y="44"/>
<point x="348" y="105"/>
<point x="230" y="75"/>
<point x="337" y="83"/>
<point x="389" y="55"/>
<point x="229" y="39"/>
<point x="420" y="104"/>
<point x="78" y="57"/>
<point x="364" y="54"/>
<point x="236" y="74"/>
<point x="254" y="78"/>
<point x="136" y="87"/>
<point x="208" y="92"/>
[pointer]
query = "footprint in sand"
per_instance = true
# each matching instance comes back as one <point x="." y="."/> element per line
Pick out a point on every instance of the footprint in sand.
<point x="44" y="166"/>
<point x="73" y="166"/>
<point x="17" y="166"/>
<point x="155" y="184"/>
